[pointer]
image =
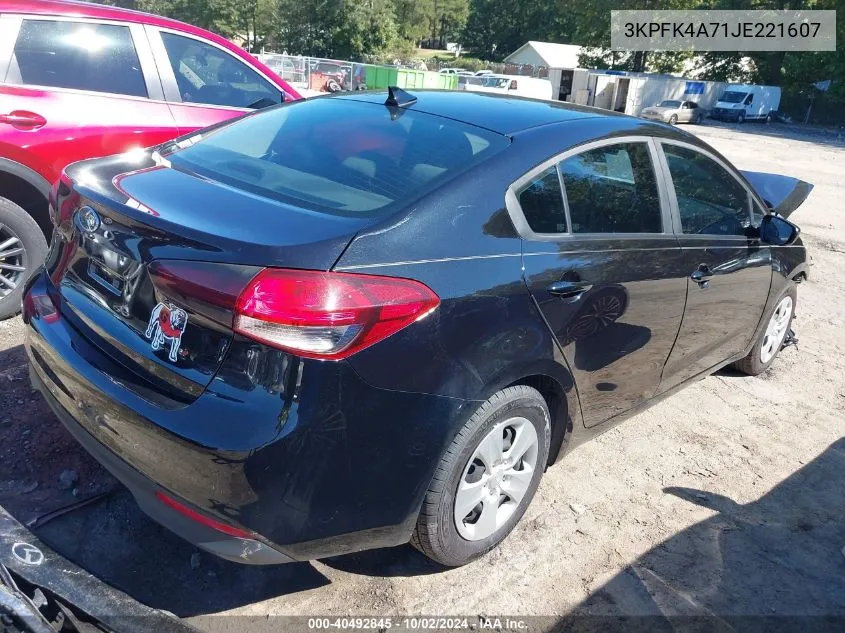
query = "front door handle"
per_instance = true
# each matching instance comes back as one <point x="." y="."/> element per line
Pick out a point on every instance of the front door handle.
<point x="569" y="289"/>
<point x="702" y="275"/>
<point x="23" y="120"/>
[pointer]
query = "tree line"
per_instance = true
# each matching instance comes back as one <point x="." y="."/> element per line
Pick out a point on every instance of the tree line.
<point x="385" y="30"/>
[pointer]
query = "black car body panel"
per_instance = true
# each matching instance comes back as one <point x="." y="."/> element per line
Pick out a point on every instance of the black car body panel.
<point x="266" y="444"/>
<point x="316" y="457"/>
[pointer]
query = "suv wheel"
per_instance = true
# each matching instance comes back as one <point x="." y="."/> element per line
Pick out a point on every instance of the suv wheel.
<point x="22" y="249"/>
<point x="486" y="479"/>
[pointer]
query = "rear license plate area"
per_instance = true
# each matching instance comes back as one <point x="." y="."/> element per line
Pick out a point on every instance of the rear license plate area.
<point x="105" y="277"/>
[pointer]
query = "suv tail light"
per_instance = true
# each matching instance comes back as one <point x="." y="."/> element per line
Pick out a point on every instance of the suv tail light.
<point x="328" y="315"/>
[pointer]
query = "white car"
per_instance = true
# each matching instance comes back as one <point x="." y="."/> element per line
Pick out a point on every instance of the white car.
<point x="674" y="111"/>
<point x="515" y="85"/>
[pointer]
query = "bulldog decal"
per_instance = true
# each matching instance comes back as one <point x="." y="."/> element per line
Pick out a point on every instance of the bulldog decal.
<point x="167" y="324"/>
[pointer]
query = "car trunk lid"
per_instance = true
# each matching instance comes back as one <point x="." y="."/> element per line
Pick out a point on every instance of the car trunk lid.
<point x="149" y="264"/>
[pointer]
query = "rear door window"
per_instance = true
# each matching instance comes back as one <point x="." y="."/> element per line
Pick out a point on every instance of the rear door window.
<point x="338" y="155"/>
<point x="612" y="189"/>
<point x="208" y="75"/>
<point x="78" y="55"/>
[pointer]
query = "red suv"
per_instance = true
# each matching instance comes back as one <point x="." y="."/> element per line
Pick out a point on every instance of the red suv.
<point x="79" y="80"/>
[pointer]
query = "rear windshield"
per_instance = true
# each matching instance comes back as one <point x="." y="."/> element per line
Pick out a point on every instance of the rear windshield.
<point x="733" y="97"/>
<point x="337" y="155"/>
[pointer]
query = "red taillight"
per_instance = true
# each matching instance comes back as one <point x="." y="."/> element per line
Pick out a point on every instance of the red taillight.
<point x="328" y="315"/>
<point x="214" y="524"/>
<point x="40" y="306"/>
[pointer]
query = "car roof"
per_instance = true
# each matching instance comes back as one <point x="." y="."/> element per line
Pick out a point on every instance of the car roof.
<point x="499" y="113"/>
<point x="98" y="11"/>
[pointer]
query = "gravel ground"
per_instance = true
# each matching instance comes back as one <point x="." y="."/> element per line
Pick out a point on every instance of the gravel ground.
<point x="725" y="499"/>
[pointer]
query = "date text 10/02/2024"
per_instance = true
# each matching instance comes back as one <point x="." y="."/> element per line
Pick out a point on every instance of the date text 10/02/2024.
<point x="419" y="623"/>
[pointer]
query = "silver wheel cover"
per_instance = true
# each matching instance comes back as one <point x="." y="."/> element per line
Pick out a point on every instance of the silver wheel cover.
<point x="496" y="478"/>
<point x="776" y="330"/>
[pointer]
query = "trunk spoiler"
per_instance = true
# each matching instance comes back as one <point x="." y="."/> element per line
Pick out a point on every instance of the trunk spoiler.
<point x="782" y="194"/>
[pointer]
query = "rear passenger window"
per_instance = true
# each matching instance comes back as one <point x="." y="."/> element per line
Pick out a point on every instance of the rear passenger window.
<point x="612" y="189"/>
<point x="710" y="200"/>
<point x="79" y="55"/>
<point x="542" y="203"/>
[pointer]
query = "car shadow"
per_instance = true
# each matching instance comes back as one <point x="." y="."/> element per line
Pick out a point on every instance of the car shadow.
<point x="116" y="542"/>
<point x="771" y="564"/>
<point x="404" y="560"/>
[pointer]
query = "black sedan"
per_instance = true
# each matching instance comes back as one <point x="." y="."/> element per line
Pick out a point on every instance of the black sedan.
<point x="359" y="320"/>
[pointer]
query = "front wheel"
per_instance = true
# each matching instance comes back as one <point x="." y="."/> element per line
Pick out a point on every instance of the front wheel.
<point x="673" y="120"/>
<point x="740" y="118"/>
<point x="22" y="249"/>
<point x="486" y="478"/>
<point x="771" y="339"/>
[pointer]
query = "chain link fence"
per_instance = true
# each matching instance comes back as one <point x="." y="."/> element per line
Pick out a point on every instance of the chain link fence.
<point x="316" y="74"/>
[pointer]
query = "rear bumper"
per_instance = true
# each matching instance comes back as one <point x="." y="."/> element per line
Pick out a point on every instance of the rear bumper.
<point x="240" y="550"/>
<point x="306" y="455"/>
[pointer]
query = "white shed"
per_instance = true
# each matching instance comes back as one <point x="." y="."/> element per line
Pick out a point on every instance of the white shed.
<point x="546" y="54"/>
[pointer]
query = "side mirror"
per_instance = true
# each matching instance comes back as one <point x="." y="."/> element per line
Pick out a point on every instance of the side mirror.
<point x="778" y="231"/>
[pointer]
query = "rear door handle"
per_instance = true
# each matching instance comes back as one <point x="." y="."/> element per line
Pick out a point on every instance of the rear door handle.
<point x="23" y="120"/>
<point x="569" y="289"/>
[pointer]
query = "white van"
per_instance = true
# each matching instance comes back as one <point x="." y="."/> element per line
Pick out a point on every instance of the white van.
<point x="746" y="103"/>
<point x="513" y="85"/>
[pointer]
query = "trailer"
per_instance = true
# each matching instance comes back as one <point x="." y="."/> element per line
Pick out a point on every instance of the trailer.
<point x="630" y="93"/>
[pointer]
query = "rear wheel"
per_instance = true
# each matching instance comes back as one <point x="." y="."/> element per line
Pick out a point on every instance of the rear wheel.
<point x="486" y="478"/>
<point x="771" y="339"/>
<point x="22" y="249"/>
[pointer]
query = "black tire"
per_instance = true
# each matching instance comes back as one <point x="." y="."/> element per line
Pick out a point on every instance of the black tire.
<point x="769" y="118"/>
<point x="333" y="86"/>
<point x="17" y="223"/>
<point x="673" y="120"/>
<point x="752" y="364"/>
<point x="436" y="535"/>
<point x="740" y="118"/>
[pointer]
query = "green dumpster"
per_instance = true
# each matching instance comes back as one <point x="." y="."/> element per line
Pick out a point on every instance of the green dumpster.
<point x="383" y="76"/>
